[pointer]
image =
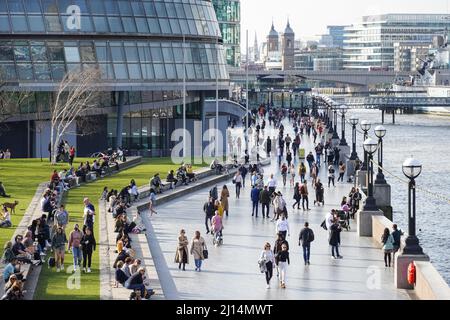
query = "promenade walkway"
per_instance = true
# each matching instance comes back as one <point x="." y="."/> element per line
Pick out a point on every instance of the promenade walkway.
<point x="232" y="272"/>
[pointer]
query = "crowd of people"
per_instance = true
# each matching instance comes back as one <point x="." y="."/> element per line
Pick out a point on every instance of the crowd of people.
<point x="5" y="154"/>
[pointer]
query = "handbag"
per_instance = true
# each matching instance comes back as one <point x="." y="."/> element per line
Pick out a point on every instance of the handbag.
<point x="324" y="225"/>
<point x="205" y="253"/>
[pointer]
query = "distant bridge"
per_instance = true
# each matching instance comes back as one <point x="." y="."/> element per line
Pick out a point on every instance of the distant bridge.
<point x="352" y="77"/>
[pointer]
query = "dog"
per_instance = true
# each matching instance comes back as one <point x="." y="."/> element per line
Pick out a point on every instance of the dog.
<point x="11" y="206"/>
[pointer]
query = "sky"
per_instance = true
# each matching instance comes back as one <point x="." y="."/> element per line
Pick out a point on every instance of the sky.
<point x="309" y="18"/>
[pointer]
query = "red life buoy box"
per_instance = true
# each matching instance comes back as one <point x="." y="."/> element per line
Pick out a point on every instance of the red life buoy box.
<point x="411" y="273"/>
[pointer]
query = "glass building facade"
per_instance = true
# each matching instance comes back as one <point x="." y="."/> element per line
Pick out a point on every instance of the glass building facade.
<point x="229" y="17"/>
<point x="369" y="45"/>
<point x="143" y="48"/>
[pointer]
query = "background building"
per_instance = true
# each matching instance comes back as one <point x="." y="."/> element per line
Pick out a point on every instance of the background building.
<point x="369" y="45"/>
<point x="229" y="17"/>
<point x="409" y="56"/>
<point x="138" y="47"/>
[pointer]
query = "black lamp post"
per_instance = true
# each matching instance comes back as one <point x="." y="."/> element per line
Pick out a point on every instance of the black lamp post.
<point x="365" y="126"/>
<point x="335" y="134"/>
<point x="370" y="146"/>
<point x="380" y="132"/>
<point x="343" y="112"/>
<point x="354" y="121"/>
<point x="412" y="169"/>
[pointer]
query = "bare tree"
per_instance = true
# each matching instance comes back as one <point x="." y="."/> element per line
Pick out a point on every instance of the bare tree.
<point x="74" y="98"/>
<point x="10" y="100"/>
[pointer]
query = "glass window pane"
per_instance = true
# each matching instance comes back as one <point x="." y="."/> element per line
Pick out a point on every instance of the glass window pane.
<point x="117" y="54"/>
<point x="187" y="9"/>
<point x="97" y="7"/>
<point x="101" y="53"/>
<point x="120" y="70"/>
<point x="161" y="9"/>
<point x="112" y="7"/>
<point x="8" y="71"/>
<point x="41" y="71"/>
<point x="115" y="24"/>
<point x="25" y="71"/>
<point x="192" y="27"/>
<point x="50" y="6"/>
<point x="86" y="24"/>
<point x="147" y="71"/>
<point x="4" y="24"/>
<point x="22" y="53"/>
<point x="144" y="54"/>
<point x="170" y="70"/>
<point x="129" y="25"/>
<point x="52" y="23"/>
<point x="56" y="51"/>
<point x="124" y="8"/>
<point x="165" y="26"/>
<point x="134" y="71"/>
<point x="15" y="6"/>
<point x="178" y="52"/>
<point x="131" y="53"/>
<point x="142" y="26"/>
<point x="179" y="68"/>
<point x="171" y="10"/>
<point x="157" y="54"/>
<point x="19" y="23"/>
<point x="160" y="73"/>
<point x="107" y="71"/>
<point x="100" y="24"/>
<point x="72" y="54"/>
<point x="36" y="23"/>
<point x="58" y="71"/>
<point x="180" y="10"/>
<point x="39" y="53"/>
<point x="175" y="26"/>
<point x="138" y="9"/>
<point x="87" y="54"/>
<point x="190" y="74"/>
<point x="6" y="52"/>
<point x="154" y="25"/>
<point x="167" y="54"/>
<point x="150" y="9"/>
<point x="184" y="26"/>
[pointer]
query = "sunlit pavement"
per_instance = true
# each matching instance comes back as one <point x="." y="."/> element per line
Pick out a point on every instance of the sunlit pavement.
<point x="232" y="272"/>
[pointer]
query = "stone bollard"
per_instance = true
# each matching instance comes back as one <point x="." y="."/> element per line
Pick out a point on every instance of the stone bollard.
<point x="364" y="221"/>
<point x="402" y="262"/>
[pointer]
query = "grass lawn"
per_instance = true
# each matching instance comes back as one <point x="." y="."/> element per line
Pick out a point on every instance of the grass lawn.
<point x="54" y="286"/>
<point x="21" y="178"/>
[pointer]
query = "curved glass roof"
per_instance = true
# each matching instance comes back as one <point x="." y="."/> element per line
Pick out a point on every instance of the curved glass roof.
<point x="137" y="17"/>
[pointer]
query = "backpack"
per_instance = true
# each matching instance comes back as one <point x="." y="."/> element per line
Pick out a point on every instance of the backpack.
<point x="310" y="235"/>
<point x="51" y="262"/>
<point x="302" y="189"/>
<point x="324" y="225"/>
<point x="332" y="170"/>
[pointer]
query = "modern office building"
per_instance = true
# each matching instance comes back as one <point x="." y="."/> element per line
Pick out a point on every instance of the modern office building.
<point x="369" y="45"/>
<point x="229" y="17"/>
<point x="409" y="56"/>
<point x="143" y="50"/>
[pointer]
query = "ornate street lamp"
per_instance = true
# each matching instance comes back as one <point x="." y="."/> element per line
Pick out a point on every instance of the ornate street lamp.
<point x="365" y="126"/>
<point x="370" y="146"/>
<point x="412" y="169"/>
<point x="343" y="110"/>
<point x="335" y="134"/>
<point x="380" y="132"/>
<point x="354" y="122"/>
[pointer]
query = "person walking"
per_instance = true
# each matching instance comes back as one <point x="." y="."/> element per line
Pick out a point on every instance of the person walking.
<point x="330" y="175"/>
<point x="282" y="226"/>
<point x="152" y="202"/>
<point x="88" y="245"/>
<point x="342" y="168"/>
<point x="88" y="215"/>
<point x="388" y="246"/>
<point x="267" y="263"/>
<point x="302" y="172"/>
<point x="272" y="184"/>
<point x="304" y="194"/>
<point x="224" y="195"/>
<point x="208" y="209"/>
<point x="238" y="183"/>
<point x="75" y="246"/>
<point x="182" y="254"/>
<point x="198" y="247"/>
<point x="305" y="238"/>
<point x="284" y="172"/>
<point x="297" y="196"/>
<point x="254" y="195"/>
<point x="59" y="241"/>
<point x="264" y="198"/>
<point x="292" y="175"/>
<point x="283" y="261"/>
<point x="289" y="158"/>
<point x="314" y="173"/>
<point x="396" y="235"/>
<point x="268" y="146"/>
<point x="335" y="239"/>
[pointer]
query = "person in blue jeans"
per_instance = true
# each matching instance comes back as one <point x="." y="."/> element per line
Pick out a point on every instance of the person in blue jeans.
<point x="335" y="239"/>
<point x="255" y="200"/>
<point x="75" y="244"/>
<point x="305" y="238"/>
<point x="136" y="282"/>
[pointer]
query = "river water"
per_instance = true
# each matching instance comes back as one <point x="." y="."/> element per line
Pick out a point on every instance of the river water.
<point x="427" y="138"/>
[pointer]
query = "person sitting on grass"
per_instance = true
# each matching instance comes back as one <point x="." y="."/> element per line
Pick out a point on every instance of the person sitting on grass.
<point x="3" y="191"/>
<point x="6" y="218"/>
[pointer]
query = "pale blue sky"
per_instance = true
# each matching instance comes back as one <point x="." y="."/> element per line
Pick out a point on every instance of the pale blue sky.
<point x="309" y="18"/>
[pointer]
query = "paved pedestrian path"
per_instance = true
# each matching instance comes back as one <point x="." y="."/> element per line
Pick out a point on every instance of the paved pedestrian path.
<point x="232" y="272"/>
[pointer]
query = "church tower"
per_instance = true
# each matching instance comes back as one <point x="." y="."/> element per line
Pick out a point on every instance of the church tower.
<point x="272" y="41"/>
<point x="287" y="48"/>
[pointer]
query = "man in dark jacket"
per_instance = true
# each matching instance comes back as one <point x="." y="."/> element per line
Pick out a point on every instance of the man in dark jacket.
<point x="209" y="210"/>
<point x="243" y="170"/>
<point x="136" y="282"/>
<point x="268" y="146"/>
<point x="305" y="238"/>
<point x="396" y="234"/>
<point x="254" y="194"/>
<point x="264" y="198"/>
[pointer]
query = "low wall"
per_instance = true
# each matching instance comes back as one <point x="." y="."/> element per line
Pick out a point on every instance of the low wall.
<point x="429" y="283"/>
<point x="379" y="223"/>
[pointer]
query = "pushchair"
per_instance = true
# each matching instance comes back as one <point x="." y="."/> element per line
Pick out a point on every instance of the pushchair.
<point x="344" y="219"/>
<point x="217" y="237"/>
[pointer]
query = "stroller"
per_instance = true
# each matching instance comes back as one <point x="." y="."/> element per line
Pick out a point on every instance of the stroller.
<point x="344" y="219"/>
<point x="217" y="237"/>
